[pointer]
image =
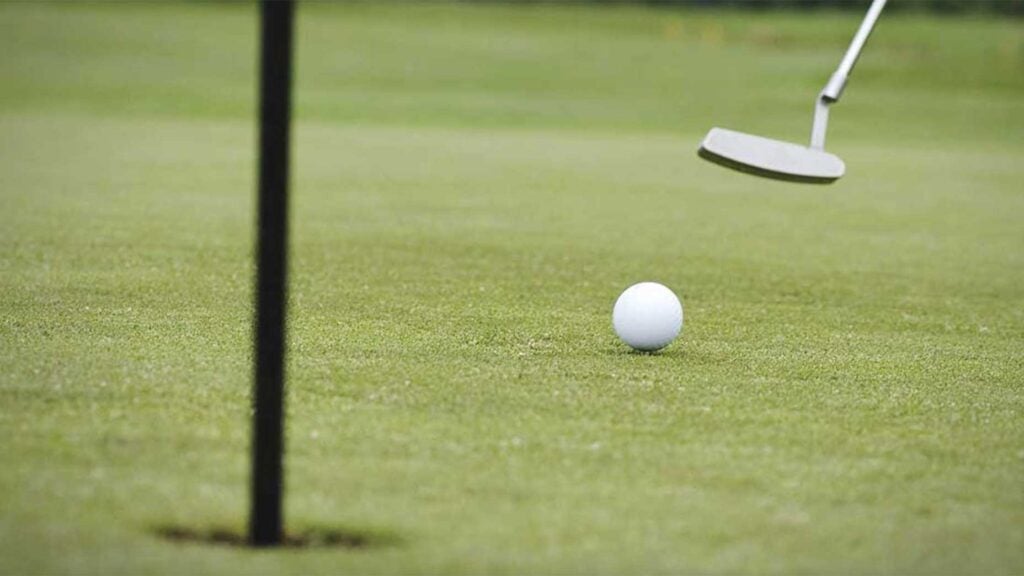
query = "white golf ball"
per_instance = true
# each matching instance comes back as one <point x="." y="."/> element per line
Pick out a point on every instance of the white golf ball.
<point x="647" y="316"/>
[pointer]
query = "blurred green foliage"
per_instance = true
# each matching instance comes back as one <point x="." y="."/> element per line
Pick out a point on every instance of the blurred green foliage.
<point x="949" y="6"/>
<point x="999" y="7"/>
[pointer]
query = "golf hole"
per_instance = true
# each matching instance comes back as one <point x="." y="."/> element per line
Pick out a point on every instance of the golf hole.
<point x="320" y="537"/>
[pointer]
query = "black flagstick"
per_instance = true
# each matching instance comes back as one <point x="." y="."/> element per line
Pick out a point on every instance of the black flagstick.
<point x="265" y="520"/>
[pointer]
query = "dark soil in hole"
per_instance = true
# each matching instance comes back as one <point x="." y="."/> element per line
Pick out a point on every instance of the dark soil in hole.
<point x="308" y="538"/>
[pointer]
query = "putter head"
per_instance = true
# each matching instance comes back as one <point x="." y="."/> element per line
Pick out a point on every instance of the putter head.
<point x="770" y="158"/>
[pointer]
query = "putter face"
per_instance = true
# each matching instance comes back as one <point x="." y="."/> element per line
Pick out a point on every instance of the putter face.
<point x="770" y="158"/>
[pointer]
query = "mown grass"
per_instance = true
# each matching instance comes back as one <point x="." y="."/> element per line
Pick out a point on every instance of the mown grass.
<point x="474" y="185"/>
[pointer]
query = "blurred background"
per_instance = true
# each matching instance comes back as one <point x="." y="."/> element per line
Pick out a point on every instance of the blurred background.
<point x="1013" y="7"/>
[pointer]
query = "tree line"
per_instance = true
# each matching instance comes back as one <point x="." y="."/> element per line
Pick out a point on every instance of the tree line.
<point x="1003" y="7"/>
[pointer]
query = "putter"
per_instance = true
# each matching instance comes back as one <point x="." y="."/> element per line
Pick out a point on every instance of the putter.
<point x="786" y="160"/>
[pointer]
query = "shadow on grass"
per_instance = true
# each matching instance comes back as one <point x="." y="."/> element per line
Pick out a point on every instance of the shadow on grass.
<point x="635" y="352"/>
<point x="668" y="352"/>
<point x="318" y="537"/>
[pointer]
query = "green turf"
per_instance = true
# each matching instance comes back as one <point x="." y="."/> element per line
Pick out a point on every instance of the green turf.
<point x="473" y="188"/>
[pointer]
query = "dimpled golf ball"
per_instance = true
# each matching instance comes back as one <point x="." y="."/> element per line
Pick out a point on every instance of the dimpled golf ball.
<point x="647" y="316"/>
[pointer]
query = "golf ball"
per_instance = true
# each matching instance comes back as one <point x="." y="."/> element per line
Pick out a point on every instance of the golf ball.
<point x="647" y="316"/>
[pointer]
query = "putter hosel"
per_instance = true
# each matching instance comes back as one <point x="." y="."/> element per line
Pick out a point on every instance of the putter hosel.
<point x="837" y="82"/>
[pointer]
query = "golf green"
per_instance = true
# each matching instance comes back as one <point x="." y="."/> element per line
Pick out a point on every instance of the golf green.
<point x="473" y="186"/>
